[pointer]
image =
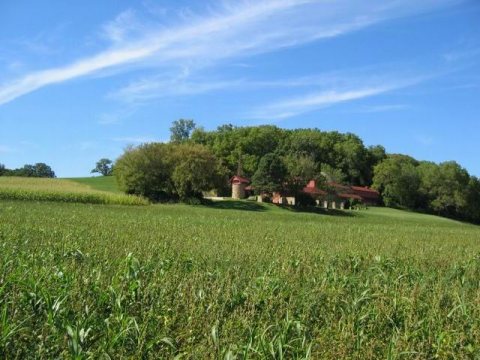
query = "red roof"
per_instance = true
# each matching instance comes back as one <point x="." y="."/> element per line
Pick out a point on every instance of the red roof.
<point x="366" y="192"/>
<point x="364" y="189"/>
<point x="350" y="196"/>
<point x="313" y="190"/>
<point x="239" y="180"/>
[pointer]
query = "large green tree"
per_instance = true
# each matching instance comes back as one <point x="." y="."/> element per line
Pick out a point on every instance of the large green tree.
<point x="444" y="187"/>
<point x="196" y="169"/>
<point x="241" y="144"/>
<point x="398" y="181"/>
<point x="181" y="130"/>
<point x="270" y="175"/>
<point x="472" y="210"/>
<point x="104" y="167"/>
<point x="170" y="171"/>
<point x="300" y="170"/>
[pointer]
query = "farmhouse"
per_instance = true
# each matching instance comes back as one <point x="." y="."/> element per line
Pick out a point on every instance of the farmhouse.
<point x="334" y="196"/>
<point x="368" y="196"/>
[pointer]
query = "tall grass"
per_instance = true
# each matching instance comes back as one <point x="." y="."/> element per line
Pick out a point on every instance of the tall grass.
<point x="169" y="281"/>
<point x="35" y="189"/>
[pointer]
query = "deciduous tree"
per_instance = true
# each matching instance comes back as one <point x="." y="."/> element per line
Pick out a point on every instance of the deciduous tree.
<point x="104" y="166"/>
<point x="181" y="130"/>
<point x="270" y="175"/>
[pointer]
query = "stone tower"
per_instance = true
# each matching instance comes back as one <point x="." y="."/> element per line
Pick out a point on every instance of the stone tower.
<point x="238" y="186"/>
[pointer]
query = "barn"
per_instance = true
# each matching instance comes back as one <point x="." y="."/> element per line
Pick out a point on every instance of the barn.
<point x="335" y="196"/>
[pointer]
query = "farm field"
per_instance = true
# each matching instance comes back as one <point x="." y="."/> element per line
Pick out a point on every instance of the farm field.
<point x="83" y="190"/>
<point x="235" y="280"/>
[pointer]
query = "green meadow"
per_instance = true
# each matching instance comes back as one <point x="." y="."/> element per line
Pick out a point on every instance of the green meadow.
<point x="233" y="280"/>
<point x="103" y="183"/>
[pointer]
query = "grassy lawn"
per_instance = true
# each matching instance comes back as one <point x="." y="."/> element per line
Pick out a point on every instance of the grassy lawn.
<point x="235" y="279"/>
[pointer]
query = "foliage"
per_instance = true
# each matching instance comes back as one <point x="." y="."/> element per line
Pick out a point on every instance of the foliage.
<point x="233" y="144"/>
<point x="332" y="174"/>
<point x="104" y="167"/>
<point x="375" y="155"/>
<point x="172" y="171"/>
<point x="398" y="180"/>
<point x="345" y="153"/>
<point x="196" y="170"/>
<point x="35" y="189"/>
<point x="343" y="158"/>
<point x="444" y="186"/>
<point x="472" y="211"/>
<point x="168" y="281"/>
<point x="270" y="175"/>
<point x="445" y="189"/>
<point x="40" y="170"/>
<point x="301" y="169"/>
<point x="181" y="130"/>
<point x="304" y="200"/>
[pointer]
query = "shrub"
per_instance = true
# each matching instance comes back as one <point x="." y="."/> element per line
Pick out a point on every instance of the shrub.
<point x="163" y="172"/>
<point x="305" y="200"/>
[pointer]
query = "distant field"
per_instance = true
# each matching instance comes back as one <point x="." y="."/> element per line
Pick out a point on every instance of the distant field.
<point x="104" y="183"/>
<point x="235" y="280"/>
<point x="62" y="190"/>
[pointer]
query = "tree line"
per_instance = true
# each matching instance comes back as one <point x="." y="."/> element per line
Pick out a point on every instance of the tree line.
<point x="276" y="159"/>
<point x="41" y="170"/>
<point x="445" y="189"/>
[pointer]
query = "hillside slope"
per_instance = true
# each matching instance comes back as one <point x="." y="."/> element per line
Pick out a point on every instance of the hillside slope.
<point x="104" y="183"/>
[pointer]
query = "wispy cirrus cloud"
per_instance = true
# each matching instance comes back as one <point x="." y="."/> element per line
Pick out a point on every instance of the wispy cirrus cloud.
<point x="144" y="90"/>
<point x="236" y="29"/>
<point x="311" y="101"/>
<point x="165" y="85"/>
<point x="382" y="108"/>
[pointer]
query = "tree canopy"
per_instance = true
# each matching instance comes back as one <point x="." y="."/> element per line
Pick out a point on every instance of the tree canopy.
<point x="285" y="160"/>
<point x="181" y="130"/>
<point x="41" y="170"/>
<point x="163" y="172"/>
<point x="270" y="175"/>
<point x="104" y="167"/>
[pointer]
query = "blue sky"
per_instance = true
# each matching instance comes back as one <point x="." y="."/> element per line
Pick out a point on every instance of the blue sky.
<point x="80" y="80"/>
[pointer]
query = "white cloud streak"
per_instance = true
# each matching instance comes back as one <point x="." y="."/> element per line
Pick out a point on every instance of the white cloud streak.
<point x="237" y="29"/>
<point x="291" y="107"/>
<point x="382" y="108"/>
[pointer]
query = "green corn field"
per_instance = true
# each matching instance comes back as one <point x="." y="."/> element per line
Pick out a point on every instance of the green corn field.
<point x="234" y="280"/>
<point x="60" y="190"/>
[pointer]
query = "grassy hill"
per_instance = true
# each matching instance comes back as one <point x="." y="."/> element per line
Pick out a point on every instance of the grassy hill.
<point x="104" y="183"/>
<point x="235" y="279"/>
